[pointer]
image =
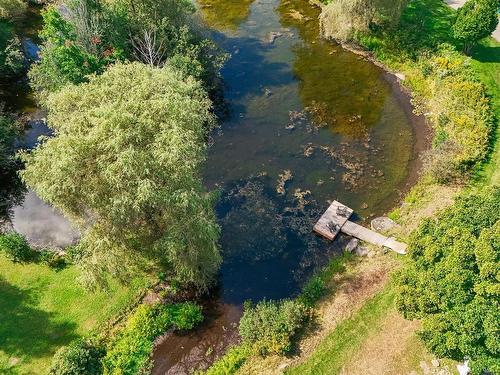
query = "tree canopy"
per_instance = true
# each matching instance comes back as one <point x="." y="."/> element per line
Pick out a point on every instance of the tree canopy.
<point x="452" y="281"/>
<point x="86" y="36"/>
<point x="476" y="20"/>
<point x="341" y="19"/>
<point x="124" y="167"/>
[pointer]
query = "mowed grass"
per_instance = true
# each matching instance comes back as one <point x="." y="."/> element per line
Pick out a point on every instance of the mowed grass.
<point x="346" y="339"/>
<point x="486" y="62"/>
<point x="42" y="310"/>
<point x="345" y="343"/>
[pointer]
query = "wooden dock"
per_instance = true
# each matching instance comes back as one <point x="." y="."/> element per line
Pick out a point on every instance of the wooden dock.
<point x="336" y="219"/>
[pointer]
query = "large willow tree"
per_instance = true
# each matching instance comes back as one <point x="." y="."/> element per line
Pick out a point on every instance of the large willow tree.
<point x="124" y="167"/>
<point x="341" y="19"/>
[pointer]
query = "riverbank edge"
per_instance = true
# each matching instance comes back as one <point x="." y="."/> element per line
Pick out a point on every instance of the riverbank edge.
<point x="424" y="199"/>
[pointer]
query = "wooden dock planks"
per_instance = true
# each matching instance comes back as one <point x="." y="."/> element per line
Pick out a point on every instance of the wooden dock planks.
<point x="336" y="219"/>
<point x="330" y="223"/>
<point x="368" y="235"/>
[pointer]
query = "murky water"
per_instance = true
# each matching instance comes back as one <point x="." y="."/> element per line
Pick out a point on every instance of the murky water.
<point x="309" y="123"/>
<point x="21" y="209"/>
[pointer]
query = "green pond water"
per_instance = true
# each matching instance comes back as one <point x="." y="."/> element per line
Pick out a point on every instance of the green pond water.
<point x="309" y="123"/>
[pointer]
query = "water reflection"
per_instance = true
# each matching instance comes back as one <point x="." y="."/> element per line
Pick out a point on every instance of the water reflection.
<point x="42" y="225"/>
<point x="309" y="123"/>
<point x="224" y="14"/>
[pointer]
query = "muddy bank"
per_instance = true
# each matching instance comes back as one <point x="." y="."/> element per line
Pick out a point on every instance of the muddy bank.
<point x="310" y="122"/>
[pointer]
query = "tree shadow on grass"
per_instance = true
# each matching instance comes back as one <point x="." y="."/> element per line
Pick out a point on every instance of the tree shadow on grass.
<point x="25" y="330"/>
<point x="486" y="53"/>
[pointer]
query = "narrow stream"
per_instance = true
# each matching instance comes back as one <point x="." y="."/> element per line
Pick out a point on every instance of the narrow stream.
<point x="330" y="123"/>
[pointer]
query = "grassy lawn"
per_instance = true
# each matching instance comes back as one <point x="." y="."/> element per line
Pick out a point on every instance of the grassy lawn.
<point x="345" y="340"/>
<point x="427" y="23"/>
<point x="486" y="62"/>
<point x="41" y="310"/>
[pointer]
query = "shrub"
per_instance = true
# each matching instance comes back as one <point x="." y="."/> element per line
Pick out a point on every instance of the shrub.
<point x="129" y="352"/>
<point x="16" y="247"/>
<point x="270" y="325"/>
<point x="452" y="279"/>
<point x="11" y="57"/>
<point x="476" y="20"/>
<point x="231" y="361"/>
<point x="312" y="291"/>
<point x="81" y="357"/>
<point x="52" y="259"/>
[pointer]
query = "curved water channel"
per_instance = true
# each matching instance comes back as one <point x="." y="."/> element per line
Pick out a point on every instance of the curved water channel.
<point x="309" y="123"/>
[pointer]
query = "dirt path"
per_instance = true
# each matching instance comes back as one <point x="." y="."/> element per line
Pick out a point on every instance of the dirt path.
<point x="353" y="289"/>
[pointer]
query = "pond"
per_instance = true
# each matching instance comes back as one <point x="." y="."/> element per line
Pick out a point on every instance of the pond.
<point x="20" y="209"/>
<point x="309" y="122"/>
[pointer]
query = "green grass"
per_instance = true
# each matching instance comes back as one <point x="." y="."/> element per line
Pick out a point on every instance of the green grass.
<point x="41" y="310"/>
<point x="345" y="340"/>
<point x="486" y="62"/>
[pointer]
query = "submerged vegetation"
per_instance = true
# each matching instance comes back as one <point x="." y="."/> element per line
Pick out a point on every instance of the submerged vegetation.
<point x="129" y="87"/>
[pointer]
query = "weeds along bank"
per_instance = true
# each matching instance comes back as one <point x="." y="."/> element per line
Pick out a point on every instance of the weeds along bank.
<point x="128" y="88"/>
<point x="448" y="280"/>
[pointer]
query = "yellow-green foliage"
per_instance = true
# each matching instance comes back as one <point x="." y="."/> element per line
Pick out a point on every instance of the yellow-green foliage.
<point x="443" y="84"/>
<point x="458" y="106"/>
<point x="130" y="351"/>
<point x="12" y="8"/>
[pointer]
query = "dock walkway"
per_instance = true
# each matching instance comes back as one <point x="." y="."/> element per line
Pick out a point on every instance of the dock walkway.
<point x="336" y="219"/>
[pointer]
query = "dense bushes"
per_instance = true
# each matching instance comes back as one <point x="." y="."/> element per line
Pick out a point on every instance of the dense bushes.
<point x="270" y="325"/>
<point x="11" y="57"/>
<point x="343" y="19"/>
<point x="9" y="130"/>
<point x="443" y="85"/>
<point x="460" y="111"/>
<point x="451" y="281"/>
<point x="130" y="351"/>
<point x="476" y="20"/>
<point x="16" y="248"/>
<point x="81" y="357"/>
<point x="88" y="35"/>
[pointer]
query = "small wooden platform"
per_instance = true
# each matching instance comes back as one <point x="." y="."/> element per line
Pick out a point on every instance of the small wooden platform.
<point x="333" y="220"/>
<point x="336" y="219"/>
<point x="368" y="235"/>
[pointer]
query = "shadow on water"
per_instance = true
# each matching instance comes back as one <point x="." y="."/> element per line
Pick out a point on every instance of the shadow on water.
<point x="309" y="123"/>
<point x="21" y="209"/>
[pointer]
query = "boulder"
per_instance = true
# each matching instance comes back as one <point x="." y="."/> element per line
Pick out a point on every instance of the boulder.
<point x="382" y="224"/>
<point x="352" y="245"/>
<point x="361" y="251"/>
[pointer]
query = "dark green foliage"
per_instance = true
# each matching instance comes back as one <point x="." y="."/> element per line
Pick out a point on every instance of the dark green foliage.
<point x="270" y="325"/>
<point x="317" y="285"/>
<point x="476" y="20"/>
<point x="129" y="352"/>
<point x="95" y="34"/>
<point x="52" y="259"/>
<point x="312" y="291"/>
<point x="11" y="57"/>
<point x="81" y="357"/>
<point x="16" y="248"/>
<point x="68" y="56"/>
<point x="8" y="133"/>
<point x="452" y="281"/>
